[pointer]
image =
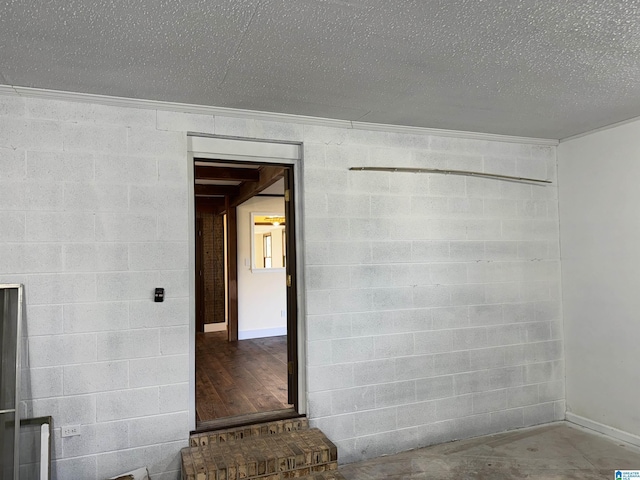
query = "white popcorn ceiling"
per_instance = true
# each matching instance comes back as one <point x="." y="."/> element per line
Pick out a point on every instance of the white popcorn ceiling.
<point x="540" y="68"/>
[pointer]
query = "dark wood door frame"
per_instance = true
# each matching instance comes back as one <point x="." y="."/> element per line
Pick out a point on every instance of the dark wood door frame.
<point x="232" y="272"/>
<point x="221" y="200"/>
<point x="292" y="292"/>
<point x="199" y="277"/>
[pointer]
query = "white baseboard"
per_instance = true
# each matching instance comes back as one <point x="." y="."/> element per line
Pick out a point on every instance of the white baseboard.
<point x="215" y="327"/>
<point x="604" y="429"/>
<point x="263" y="332"/>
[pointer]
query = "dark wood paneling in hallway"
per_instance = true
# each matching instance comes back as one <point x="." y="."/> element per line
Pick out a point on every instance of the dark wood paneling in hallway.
<point x="237" y="378"/>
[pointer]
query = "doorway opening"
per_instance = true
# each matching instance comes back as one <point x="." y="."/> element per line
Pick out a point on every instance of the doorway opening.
<point x="246" y="346"/>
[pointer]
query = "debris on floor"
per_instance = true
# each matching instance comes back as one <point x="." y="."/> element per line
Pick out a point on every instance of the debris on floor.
<point x="138" y="474"/>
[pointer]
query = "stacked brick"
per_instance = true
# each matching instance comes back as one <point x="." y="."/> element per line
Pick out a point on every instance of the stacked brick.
<point x="270" y="451"/>
<point x="256" y="430"/>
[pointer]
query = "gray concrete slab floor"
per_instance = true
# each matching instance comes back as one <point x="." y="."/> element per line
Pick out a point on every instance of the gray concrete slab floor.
<point x="554" y="451"/>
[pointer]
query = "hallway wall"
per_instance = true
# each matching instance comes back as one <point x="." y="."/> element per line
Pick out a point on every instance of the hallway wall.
<point x="432" y="302"/>
<point x="600" y="237"/>
<point x="262" y="295"/>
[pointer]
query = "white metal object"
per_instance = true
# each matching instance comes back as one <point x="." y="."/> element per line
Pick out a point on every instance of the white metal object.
<point x="44" y="451"/>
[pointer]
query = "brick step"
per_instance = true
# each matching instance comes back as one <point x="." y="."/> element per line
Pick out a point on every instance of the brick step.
<point x="330" y="475"/>
<point x="276" y="456"/>
<point x="255" y="430"/>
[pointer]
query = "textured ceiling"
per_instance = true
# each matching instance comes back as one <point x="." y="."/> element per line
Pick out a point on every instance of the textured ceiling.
<point x="541" y="68"/>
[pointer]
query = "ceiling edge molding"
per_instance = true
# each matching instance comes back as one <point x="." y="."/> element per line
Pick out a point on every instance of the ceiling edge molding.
<point x="599" y="129"/>
<point x="265" y="116"/>
<point x="495" y="137"/>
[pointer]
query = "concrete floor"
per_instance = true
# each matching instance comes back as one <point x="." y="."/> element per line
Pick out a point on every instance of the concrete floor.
<point x="555" y="451"/>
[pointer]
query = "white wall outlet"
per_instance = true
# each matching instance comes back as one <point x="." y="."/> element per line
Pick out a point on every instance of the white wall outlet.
<point x="70" y="431"/>
<point x="283" y="313"/>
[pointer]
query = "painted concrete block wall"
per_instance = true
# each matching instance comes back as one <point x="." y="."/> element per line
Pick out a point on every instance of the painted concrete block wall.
<point x="431" y="302"/>
<point x="600" y="237"/>
<point x="93" y="217"/>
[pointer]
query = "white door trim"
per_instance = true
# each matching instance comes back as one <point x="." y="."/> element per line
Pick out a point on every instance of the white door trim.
<point x="249" y="150"/>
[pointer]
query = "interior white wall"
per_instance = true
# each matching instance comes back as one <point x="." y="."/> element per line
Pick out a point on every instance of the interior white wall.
<point x="599" y="200"/>
<point x="432" y="302"/>
<point x="262" y="294"/>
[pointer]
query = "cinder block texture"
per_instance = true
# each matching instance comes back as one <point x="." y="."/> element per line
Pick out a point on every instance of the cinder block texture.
<point x="445" y="314"/>
<point x="90" y="228"/>
<point x="432" y="302"/>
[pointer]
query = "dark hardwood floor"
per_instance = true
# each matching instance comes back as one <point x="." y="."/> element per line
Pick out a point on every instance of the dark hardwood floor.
<point x="239" y="378"/>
